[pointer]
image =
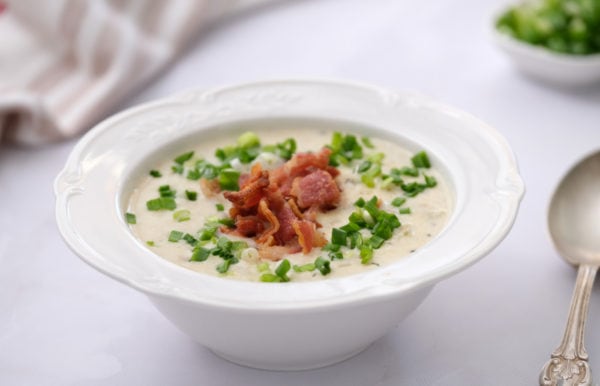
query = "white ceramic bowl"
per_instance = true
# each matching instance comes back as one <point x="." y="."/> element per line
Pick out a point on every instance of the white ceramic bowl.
<point x="554" y="68"/>
<point x="286" y="326"/>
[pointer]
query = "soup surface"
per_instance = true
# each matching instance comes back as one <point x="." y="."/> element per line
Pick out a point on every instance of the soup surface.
<point x="289" y="205"/>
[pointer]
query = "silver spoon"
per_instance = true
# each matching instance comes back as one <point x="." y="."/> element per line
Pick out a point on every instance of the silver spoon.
<point x="574" y="223"/>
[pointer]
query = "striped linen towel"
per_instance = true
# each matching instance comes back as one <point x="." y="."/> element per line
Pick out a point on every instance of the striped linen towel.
<point x="65" y="64"/>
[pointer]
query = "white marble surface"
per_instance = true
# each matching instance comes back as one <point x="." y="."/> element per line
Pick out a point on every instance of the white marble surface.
<point x="62" y="323"/>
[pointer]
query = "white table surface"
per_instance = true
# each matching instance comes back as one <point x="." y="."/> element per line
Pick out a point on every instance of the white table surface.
<point x="63" y="323"/>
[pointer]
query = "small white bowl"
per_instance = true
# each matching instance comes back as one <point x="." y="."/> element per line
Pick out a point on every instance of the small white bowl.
<point x="286" y="326"/>
<point x="554" y="68"/>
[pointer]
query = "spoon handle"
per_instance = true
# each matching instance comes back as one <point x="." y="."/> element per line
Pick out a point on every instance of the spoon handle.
<point x="568" y="364"/>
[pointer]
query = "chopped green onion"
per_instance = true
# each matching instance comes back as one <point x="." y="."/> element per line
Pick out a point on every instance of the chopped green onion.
<point x="344" y="148"/>
<point x="224" y="266"/>
<point x="331" y="247"/>
<point x="376" y="242"/>
<point x="161" y="203"/>
<point x="227" y="221"/>
<point x="269" y="278"/>
<point x="130" y="218"/>
<point x="412" y="172"/>
<point x="286" y="149"/>
<point x="220" y="207"/>
<point x="398" y="201"/>
<point x="430" y="181"/>
<point x="150" y="243"/>
<point x="376" y="158"/>
<point x="181" y="215"/>
<point x="248" y="139"/>
<point x="364" y="166"/>
<point x="194" y="174"/>
<point x="323" y="265"/>
<point x="360" y="202"/>
<point x="200" y="254"/>
<point x="366" y="254"/>
<point x="263" y="267"/>
<point x="208" y="232"/>
<point x="282" y="270"/>
<point x="356" y="240"/>
<point x="404" y="211"/>
<point x="155" y="173"/>
<point x="167" y="193"/>
<point x="191" y="195"/>
<point x="190" y="239"/>
<point x="154" y="204"/>
<point x="367" y="142"/>
<point x="180" y="159"/>
<point x="421" y="160"/>
<point x="350" y="228"/>
<point x="304" y="268"/>
<point x="175" y="236"/>
<point x="336" y="255"/>
<point x="177" y="169"/>
<point x="358" y="219"/>
<point x="338" y="236"/>
<point x="228" y="179"/>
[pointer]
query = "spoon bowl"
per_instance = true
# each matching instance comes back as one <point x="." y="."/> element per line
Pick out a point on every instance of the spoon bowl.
<point x="574" y="224"/>
<point x="574" y="214"/>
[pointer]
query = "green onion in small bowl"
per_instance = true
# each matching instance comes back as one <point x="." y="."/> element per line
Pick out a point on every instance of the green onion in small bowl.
<point x="556" y="41"/>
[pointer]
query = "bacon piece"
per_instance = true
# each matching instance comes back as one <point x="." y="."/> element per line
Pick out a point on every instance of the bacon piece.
<point x="333" y="171"/>
<point x="308" y="237"/>
<point x="277" y="252"/>
<point x="304" y="163"/>
<point x="286" y="218"/>
<point x="209" y="187"/>
<point x="252" y="191"/>
<point x="300" y="165"/>
<point x="317" y="189"/>
<point x="279" y="207"/>
<point x="266" y="213"/>
<point x="248" y="226"/>
<point x="294" y="208"/>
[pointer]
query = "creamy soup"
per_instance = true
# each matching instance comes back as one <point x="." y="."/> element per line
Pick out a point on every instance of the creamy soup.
<point x="188" y="210"/>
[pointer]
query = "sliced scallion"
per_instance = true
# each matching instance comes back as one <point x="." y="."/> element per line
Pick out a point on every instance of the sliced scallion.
<point x="130" y="218"/>
<point x="421" y="160"/>
<point x="398" y="201"/>
<point x="180" y="159"/>
<point x="282" y="270"/>
<point x="181" y="215"/>
<point x="175" y="236"/>
<point x="309" y="267"/>
<point x="323" y="265"/>
<point x="338" y="236"/>
<point x="191" y="195"/>
<point x="200" y="254"/>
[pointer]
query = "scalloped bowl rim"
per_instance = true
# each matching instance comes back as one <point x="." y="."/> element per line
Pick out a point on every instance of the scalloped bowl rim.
<point x="377" y="285"/>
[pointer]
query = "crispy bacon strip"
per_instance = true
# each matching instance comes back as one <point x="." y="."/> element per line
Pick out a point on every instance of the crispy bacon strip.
<point x="316" y="189"/>
<point x="267" y="214"/>
<point x="308" y="236"/>
<point x="279" y="207"/>
<point x="248" y="226"/>
<point x="209" y="188"/>
<point x="251" y="192"/>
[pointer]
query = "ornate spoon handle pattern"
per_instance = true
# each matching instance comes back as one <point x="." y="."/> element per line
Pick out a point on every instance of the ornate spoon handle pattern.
<point x="568" y="364"/>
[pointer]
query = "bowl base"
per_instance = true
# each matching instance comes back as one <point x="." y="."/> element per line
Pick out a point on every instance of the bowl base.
<point x="272" y="366"/>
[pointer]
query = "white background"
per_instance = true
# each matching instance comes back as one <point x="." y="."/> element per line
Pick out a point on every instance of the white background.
<point x="62" y="323"/>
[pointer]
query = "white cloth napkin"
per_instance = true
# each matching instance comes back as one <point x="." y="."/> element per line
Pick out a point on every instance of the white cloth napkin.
<point x="64" y="64"/>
